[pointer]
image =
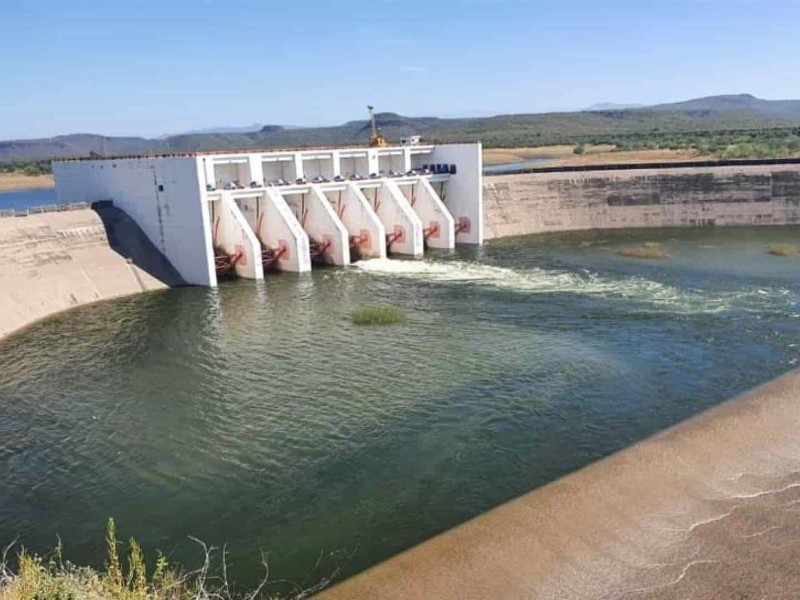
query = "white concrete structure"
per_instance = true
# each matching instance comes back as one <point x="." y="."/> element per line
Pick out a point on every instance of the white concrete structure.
<point x="327" y="234"/>
<point x="438" y="225"/>
<point x="275" y="227"/>
<point x="233" y="235"/>
<point x="367" y="233"/>
<point x="281" y="208"/>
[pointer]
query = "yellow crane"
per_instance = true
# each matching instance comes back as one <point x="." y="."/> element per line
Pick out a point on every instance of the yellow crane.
<point x="376" y="139"/>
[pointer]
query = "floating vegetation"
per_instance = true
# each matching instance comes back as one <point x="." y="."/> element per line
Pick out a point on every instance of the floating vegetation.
<point x="782" y="250"/>
<point x="378" y="315"/>
<point x="652" y="250"/>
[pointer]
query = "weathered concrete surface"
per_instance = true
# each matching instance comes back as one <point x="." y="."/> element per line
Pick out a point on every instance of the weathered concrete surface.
<point x="707" y="509"/>
<point x="664" y="197"/>
<point x="56" y="261"/>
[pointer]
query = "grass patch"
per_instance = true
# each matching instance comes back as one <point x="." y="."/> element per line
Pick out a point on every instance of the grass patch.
<point x="781" y="250"/>
<point x="651" y="250"/>
<point x="50" y="577"/>
<point x="378" y="315"/>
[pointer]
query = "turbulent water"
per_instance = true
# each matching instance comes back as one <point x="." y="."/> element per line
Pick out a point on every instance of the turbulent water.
<point x="257" y="415"/>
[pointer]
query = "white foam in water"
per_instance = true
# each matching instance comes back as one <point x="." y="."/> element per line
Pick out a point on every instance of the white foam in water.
<point x="538" y="280"/>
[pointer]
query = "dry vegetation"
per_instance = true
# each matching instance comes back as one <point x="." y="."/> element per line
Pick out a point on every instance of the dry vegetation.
<point x="53" y="578"/>
<point x="564" y="155"/>
<point x="21" y="181"/>
<point x="651" y="250"/>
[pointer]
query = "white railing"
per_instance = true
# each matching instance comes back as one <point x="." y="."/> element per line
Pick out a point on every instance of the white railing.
<point x="45" y="208"/>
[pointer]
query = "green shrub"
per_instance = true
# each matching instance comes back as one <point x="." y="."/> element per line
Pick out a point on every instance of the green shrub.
<point x="377" y="315"/>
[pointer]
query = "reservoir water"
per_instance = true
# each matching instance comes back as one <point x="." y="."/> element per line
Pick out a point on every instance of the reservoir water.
<point x="258" y="416"/>
<point x="23" y="199"/>
<point x="511" y="167"/>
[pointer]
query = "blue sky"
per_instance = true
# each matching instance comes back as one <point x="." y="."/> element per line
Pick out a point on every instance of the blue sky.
<point x="147" y="67"/>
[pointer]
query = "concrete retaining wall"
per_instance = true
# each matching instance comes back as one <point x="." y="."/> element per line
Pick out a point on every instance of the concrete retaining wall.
<point x="162" y="195"/>
<point x="668" y="197"/>
<point x="56" y="261"/>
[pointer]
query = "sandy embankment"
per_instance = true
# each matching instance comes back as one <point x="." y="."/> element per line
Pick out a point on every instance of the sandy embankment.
<point x="18" y="181"/>
<point x="594" y="155"/>
<point x="707" y="509"/>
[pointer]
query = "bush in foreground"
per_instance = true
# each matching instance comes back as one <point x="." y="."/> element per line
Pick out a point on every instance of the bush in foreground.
<point x="652" y="250"/>
<point x="782" y="250"/>
<point x="52" y="578"/>
<point x="377" y="315"/>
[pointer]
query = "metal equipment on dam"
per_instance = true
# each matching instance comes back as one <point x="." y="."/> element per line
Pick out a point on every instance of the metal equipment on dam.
<point x="243" y="214"/>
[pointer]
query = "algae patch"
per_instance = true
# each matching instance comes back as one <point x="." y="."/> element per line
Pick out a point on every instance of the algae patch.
<point x="651" y="250"/>
<point x="378" y="315"/>
<point x="781" y="250"/>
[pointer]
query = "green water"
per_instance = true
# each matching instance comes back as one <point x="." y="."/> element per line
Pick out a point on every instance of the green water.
<point x="257" y="415"/>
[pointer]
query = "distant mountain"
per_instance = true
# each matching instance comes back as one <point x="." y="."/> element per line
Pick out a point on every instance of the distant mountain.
<point x="613" y="106"/>
<point x="245" y="129"/>
<point x="735" y="103"/>
<point x="78" y="144"/>
<point x="714" y="113"/>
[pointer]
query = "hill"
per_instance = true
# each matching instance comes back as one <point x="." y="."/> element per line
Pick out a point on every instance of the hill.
<point x="702" y="115"/>
<point x="613" y="106"/>
<point x="742" y="103"/>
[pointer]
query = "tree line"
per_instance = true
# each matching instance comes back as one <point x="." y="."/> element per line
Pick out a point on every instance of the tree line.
<point x="743" y="143"/>
<point x="26" y="167"/>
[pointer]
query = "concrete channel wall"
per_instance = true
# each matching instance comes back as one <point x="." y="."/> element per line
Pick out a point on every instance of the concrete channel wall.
<point x="609" y="198"/>
<point x="53" y="262"/>
<point x="706" y="509"/>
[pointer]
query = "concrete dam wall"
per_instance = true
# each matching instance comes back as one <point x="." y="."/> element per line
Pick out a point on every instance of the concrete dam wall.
<point x="52" y="262"/>
<point x="540" y="202"/>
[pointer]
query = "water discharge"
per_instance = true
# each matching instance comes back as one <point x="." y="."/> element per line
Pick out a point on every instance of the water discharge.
<point x="583" y="282"/>
<point x="259" y="416"/>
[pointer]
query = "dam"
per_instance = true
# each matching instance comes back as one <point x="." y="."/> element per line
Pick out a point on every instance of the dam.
<point x="222" y="215"/>
<point x="558" y="352"/>
<point x="256" y="414"/>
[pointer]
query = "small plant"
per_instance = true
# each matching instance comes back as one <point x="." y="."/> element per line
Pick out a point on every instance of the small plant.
<point x="50" y="577"/>
<point x="377" y="315"/>
<point x="651" y="250"/>
<point x="579" y="149"/>
<point x="782" y="250"/>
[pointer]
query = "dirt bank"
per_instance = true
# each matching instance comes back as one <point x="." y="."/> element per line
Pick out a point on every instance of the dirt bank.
<point x="18" y="181"/>
<point x="602" y="154"/>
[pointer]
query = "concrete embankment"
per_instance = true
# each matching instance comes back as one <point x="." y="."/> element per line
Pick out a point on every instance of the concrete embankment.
<point x="707" y="509"/>
<point x="607" y="198"/>
<point x="52" y="262"/>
